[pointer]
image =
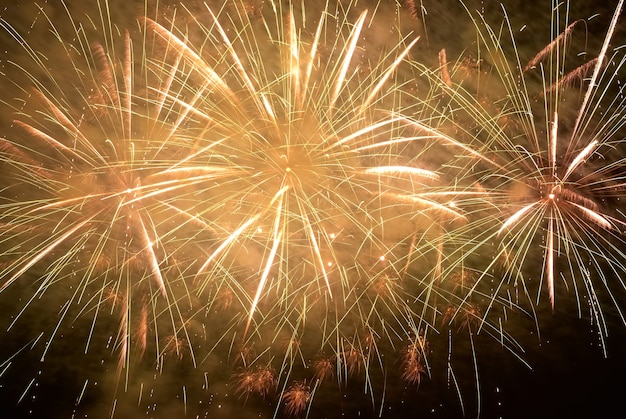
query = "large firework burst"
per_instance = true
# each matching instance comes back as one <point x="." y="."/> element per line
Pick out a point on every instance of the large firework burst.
<point x="242" y="177"/>
<point x="324" y="196"/>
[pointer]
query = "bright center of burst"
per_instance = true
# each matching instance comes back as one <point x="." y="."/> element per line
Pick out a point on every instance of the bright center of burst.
<point x="550" y="196"/>
<point x="300" y="167"/>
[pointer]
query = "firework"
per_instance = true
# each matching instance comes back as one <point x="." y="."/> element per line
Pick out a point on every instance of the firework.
<point x="323" y="369"/>
<point x="552" y="181"/>
<point x="261" y="380"/>
<point x="85" y="207"/>
<point x="297" y="398"/>
<point x="270" y="189"/>
<point x="250" y="162"/>
<point x="322" y="183"/>
<point x="413" y="364"/>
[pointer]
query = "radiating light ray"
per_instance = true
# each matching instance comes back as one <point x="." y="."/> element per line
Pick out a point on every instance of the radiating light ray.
<point x="554" y="132"/>
<point x="45" y="137"/>
<point x="347" y="58"/>
<point x="227" y="242"/>
<point x="312" y="55"/>
<point x="395" y="141"/>
<point x="240" y="69"/>
<point x="592" y="86"/>
<point x="550" y="261"/>
<point x="595" y="217"/>
<point x="426" y="203"/>
<point x="580" y="158"/>
<point x="43" y="253"/>
<point x="278" y="234"/>
<point x="294" y="64"/>
<point x="387" y="74"/>
<point x="422" y="127"/>
<point x="517" y="216"/>
<point x="185" y="49"/>
<point x="189" y="106"/>
<point x="316" y="249"/>
<point x="403" y="170"/>
<point x="154" y="263"/>
<point x="368" y="129"/>
<point x="64" y="121"/>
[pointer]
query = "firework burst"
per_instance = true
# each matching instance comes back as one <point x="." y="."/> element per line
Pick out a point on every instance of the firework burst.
<point x="323" y="183"/>
<point x="253" y="163"/>
<point x="553" y="179"/>
<point x="87" y="200"/>
<point x="297" y="398"/>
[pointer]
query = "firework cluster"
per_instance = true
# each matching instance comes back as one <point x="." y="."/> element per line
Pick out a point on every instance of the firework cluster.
<point x="271" y="183"/>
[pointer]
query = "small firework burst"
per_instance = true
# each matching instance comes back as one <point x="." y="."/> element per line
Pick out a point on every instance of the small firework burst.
<point x="260" y="380"/>
<point x="413" y="365"/>
<point x="413" y="360"/>
<point x="467" y="316"/>
<point x="323" y="368"/>
<point x="353" y="360"/>
<point x="296" y="398"/>
<point x="174" y="346"/>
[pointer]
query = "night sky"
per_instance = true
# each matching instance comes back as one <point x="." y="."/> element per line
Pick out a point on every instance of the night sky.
<point x="564" y="365"/>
